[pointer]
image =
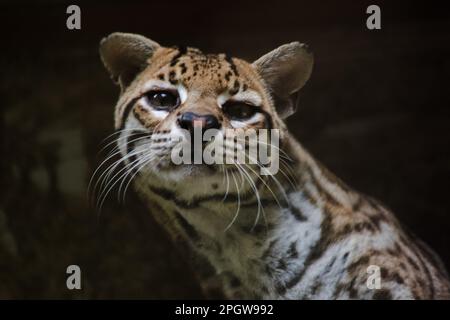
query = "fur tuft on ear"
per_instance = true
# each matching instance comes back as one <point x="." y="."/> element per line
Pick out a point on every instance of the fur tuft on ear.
<point x="125" y="55"/>
<point x="285" y="71"/>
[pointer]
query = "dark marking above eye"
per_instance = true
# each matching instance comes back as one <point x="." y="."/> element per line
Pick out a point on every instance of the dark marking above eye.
<point x="181" y="51"/>
<point x="232" y="65"/>
<point x="228" y="75"/>
<point x="183" y="68"/>
<point x="172" y="76"/>
<point x="232" y="91"/>
<point x="235" y="88"/>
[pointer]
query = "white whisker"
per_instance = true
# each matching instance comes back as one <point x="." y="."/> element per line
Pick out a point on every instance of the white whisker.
<point x="238" y="205"/>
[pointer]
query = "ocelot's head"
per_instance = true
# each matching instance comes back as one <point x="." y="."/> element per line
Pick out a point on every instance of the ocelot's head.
<point x="168" y="93"/>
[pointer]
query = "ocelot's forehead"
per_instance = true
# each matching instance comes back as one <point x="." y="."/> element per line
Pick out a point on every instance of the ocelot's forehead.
<point x="213" y="73"/>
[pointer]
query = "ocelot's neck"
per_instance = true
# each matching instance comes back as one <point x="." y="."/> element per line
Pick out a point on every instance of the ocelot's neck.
<point x="266" y="259"/>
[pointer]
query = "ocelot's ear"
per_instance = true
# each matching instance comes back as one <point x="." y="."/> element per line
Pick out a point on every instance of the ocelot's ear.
<point x="285" y="71"/>
<point x="125" y="55"/>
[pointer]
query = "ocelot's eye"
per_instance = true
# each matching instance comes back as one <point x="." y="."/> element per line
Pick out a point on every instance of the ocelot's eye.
<point x="162" y="99"/>
<point x="237" y="110"/>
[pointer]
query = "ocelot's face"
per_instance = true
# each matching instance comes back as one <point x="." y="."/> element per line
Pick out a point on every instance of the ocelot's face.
<point x="178" y="102"/>
<point x="175" y="102"/>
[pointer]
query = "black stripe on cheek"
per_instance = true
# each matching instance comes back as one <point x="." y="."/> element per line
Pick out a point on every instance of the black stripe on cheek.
<point x="129" y="148"/>
<point x="129" y="145"/>
<point x="127" y="111"/>
<point x="136" y="136"/>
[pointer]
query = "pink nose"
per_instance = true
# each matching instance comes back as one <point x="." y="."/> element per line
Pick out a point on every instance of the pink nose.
<point x="190" y="120"/>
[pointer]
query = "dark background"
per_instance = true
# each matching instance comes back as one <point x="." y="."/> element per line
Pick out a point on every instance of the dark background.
<point x="375" y="111"/>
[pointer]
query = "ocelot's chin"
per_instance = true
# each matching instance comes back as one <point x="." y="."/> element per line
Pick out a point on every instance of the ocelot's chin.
<point x="175" y="172"/>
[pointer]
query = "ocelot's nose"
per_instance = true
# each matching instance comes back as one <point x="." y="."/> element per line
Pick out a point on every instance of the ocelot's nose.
<point x="190" y="120"/>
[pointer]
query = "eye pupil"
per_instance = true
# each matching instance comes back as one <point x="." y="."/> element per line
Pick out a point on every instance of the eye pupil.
<point x="162" y="99"/>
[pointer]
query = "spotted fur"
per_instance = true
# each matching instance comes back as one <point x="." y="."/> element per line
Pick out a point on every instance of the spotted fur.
<point x="306" y="235"/>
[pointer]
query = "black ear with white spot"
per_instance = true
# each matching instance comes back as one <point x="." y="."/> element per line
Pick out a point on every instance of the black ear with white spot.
<point x="125" y="55"/>
<point x="285" y="71"/>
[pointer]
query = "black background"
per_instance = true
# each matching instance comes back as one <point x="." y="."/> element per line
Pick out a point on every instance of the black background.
<point x="375" y="111"/>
